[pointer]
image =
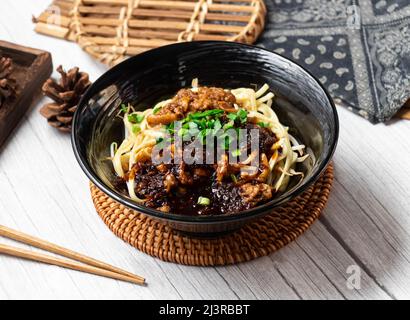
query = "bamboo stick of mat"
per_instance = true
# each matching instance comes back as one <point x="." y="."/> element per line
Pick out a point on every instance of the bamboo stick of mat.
<point x="51" y="247"/>
<point x="35" y="256"/>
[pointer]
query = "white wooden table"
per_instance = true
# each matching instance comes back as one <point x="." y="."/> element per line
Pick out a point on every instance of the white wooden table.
<point x="365" y="227"/>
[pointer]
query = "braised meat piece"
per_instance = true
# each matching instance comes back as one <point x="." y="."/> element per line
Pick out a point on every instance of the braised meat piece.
<point x="266" y="139"/>
<point x="170" y="182"/>
<point x="255" y="193"/>
<point x="212" y="98"/>
<point x="226" y="199"/>
<point x="187" y="101"/>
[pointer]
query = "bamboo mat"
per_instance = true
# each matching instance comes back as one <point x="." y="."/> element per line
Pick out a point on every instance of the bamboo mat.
<point x="110" y="30"/>
<point x="256" y="239"/>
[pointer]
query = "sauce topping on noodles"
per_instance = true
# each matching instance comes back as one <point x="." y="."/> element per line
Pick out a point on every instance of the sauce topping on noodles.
<point x="206" y="151"/>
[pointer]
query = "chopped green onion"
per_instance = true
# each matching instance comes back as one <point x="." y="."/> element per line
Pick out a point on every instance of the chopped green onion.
<point x="228" y="125"/>
<point x="242" y="114"/>
<point x="210" y="123"/>
<point x="192" y="125"/>
<point x="203" y="134"/>
<point x="136" y="128"/>
<point x="170" y="128"/>
<point x="182" y="132"/>
<point x="234" y="179"/>
<point x="201" y="123"/>
<point x="204" y="201"/>
<point x="208" y="131"/>
<point x="217" y="126"/>
<point x="263" y="124"/>
<point x="206" y="113"/>
<point x="135" y="118"/>
<point x="236" y="153"/>
<point x="227" y="141"/>
<point x="193" y="132"/>
<point x="124" y="108"/>
<point x="232" y="116"/>
<point x="156" y="109"/>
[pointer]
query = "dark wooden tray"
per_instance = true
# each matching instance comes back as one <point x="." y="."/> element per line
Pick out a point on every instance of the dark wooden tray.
<point x="31" y="68"/>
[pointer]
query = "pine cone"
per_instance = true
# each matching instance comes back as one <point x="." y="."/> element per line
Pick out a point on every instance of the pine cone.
<point x="66" y="95"/>
<point x="8" y="85"/>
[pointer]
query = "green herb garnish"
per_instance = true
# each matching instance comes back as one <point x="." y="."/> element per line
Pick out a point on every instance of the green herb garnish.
<point x="240" y="116"/>
<point x="182" y="132"/>
<point x="217" y="125"/>
<point x="232" y="116"/>
<point x="263" y="124"/>
<point x="156" y="109"/>
<point x="135" y="118"/>
<point x="209" y="123"/>
<point x="236" y="153"/>
<point x="227" y="139"/>
<point x="207" y="113"/>
<point x="136" y="128"/>
<point x="124" y="108"/>
<point x="170" y="127"/>
<point x="204" y="201"/>
<point x="228" y="125"/>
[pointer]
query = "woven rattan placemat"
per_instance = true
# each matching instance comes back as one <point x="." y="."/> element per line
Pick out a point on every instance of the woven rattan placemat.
<point x="257" y="239"/>
<point x="110" y="30"/>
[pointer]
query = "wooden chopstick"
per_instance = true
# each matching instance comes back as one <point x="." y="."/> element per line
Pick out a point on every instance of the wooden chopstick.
<point x="51" y="247"/>
<point x="35" y="256"/>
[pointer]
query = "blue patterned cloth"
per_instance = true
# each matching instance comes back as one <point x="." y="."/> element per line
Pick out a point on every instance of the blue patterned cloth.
<point x="359" y="49"/>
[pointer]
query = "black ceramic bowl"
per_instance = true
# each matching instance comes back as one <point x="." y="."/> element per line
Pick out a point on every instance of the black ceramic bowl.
<point x="301" y="103"/>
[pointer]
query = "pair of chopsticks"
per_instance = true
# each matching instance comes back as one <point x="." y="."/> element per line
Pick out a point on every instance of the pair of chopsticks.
<point x="80" y="263"/>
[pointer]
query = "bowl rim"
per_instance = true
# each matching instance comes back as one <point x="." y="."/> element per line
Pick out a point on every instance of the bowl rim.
<point x="246" y="214"/>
